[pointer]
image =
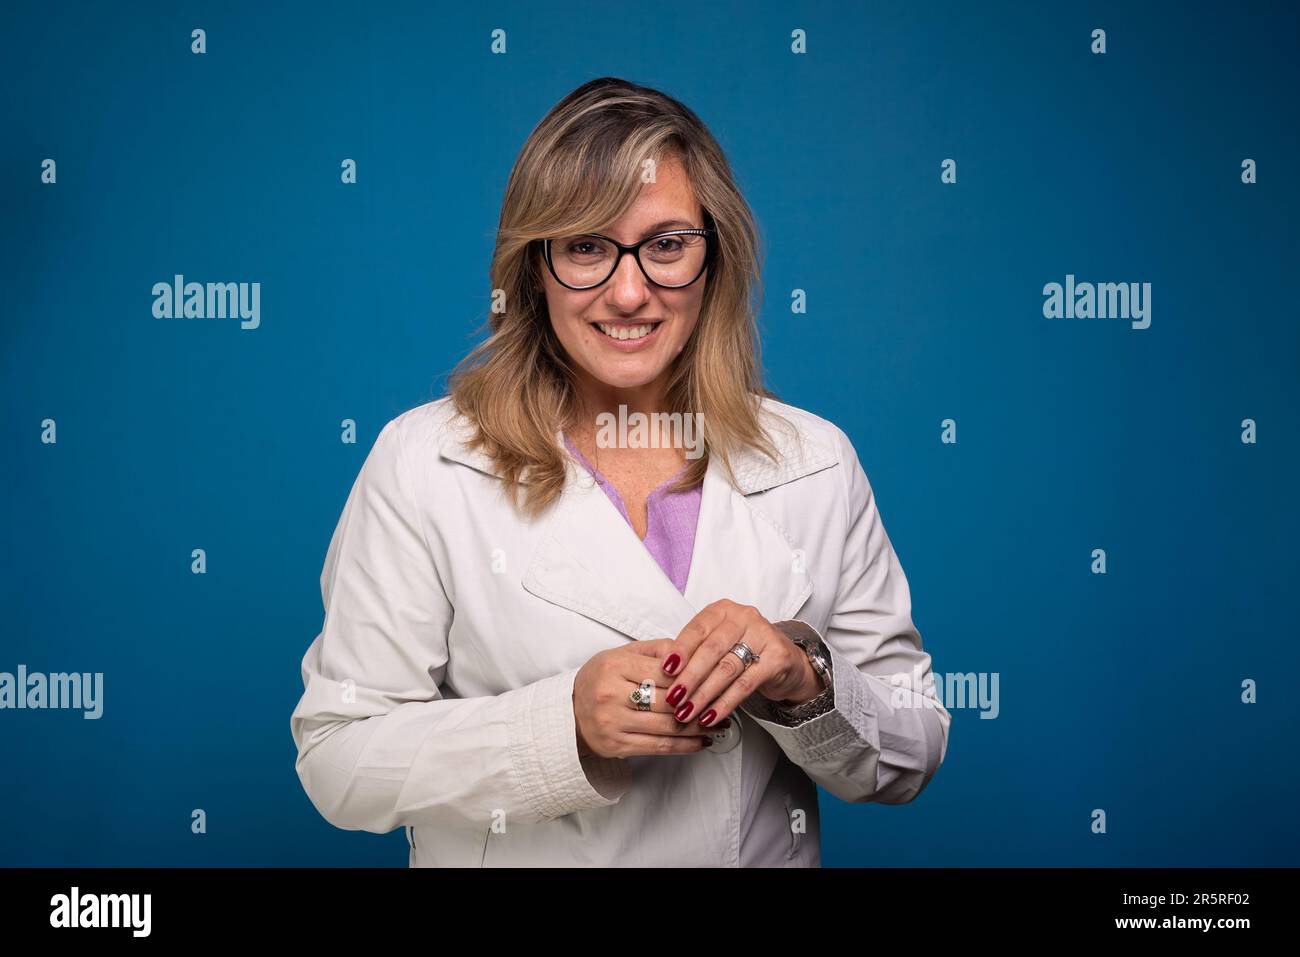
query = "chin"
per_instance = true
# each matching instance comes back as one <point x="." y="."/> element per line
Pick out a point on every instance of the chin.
<point x="616" y="378"/>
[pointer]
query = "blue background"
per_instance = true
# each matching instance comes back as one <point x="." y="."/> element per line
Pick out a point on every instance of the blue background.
<point x="1118" y="691"/>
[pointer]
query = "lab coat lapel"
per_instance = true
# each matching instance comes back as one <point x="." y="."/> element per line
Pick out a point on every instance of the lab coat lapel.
<point x="741" y="554"/>
<point x="590" y="561"/>
<point x="593" y="563"/>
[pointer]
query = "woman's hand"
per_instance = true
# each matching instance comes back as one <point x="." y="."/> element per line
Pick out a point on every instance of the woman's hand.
<point x="711" y="682"/>
<point x="608" y="722"/>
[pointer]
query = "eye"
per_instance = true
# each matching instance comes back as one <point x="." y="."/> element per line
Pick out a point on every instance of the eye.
<point x="584" y="248"/>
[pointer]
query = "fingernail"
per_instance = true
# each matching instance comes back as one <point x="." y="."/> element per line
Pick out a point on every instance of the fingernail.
<point x="706" y="719"/>
<point x="676" y="694"/>
<point x="671" y="663"/>
<point x="685" y="710"/>
<point x="708" y="742"/>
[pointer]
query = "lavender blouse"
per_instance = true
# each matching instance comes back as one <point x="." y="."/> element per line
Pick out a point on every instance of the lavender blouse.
<point x="671" y="518"/>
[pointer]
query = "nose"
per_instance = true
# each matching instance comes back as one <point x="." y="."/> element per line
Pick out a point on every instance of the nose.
<point x="628" y="287"/>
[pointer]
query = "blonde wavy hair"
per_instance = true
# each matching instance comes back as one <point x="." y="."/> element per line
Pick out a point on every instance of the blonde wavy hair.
<point x="579" y="170"/>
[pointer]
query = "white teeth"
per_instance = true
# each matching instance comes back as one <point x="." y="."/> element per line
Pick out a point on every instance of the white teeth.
<point x="625" y="332"/>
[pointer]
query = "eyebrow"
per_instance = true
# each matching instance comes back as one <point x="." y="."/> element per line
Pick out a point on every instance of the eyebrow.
<point x="666" y="224"/>
<point x="659" y="227"/>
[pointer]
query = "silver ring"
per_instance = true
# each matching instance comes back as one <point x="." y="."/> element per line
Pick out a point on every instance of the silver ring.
<point x="644" y="696"/>
<point x="744" y="653"/>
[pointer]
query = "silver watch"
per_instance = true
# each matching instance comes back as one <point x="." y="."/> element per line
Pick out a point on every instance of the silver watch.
<point x="819" y="656"/>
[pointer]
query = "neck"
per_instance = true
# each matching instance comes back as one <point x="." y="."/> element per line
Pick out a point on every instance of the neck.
<point x="595" y="397"/>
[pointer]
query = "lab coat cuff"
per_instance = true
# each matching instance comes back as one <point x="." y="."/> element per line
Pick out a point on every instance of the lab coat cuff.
<point x="544" y="753"/>
<point x="852" y="722"/>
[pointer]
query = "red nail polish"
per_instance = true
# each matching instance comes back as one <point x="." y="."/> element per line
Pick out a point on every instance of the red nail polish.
<point x="706" y="719"/>
<point x="676" y="694"/>
<point x="685" y="710"/>
<point x="671" y="663"/>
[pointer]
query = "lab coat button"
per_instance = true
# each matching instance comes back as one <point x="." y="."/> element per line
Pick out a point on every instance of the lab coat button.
<point x="724" y="739"/>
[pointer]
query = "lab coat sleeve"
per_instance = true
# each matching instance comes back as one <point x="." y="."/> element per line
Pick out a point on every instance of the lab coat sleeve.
<point x="887" y="733"/>
<point x="380" y="745"/>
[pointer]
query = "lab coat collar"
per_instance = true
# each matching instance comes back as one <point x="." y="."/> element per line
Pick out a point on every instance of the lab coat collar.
<point x="798" y="455"/>
<point x="590" y="560"/>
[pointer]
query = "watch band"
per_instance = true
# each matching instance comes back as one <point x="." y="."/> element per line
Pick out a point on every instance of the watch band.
<point x="819" y="656"/>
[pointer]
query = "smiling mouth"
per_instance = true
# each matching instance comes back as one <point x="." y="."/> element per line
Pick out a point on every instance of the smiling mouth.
<point x="627" y="332"/>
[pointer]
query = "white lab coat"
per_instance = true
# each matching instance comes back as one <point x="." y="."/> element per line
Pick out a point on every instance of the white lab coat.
<point x="438" y="694"/>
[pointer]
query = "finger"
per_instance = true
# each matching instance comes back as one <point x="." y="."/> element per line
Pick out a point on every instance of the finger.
<point x="656" y="722"/>
<point x="666" y="656"/>
<point x="682" y="696"/>
<point x="659" y="706"/>
<point x="653" y="647"/>
<point x="636" y="687"/>
<point x="663" y="743"/>
<point x="732" y="681"/>
<point x="697" y="630"/>
<point x="639" y="669"/>
<point x="725" y="705"/>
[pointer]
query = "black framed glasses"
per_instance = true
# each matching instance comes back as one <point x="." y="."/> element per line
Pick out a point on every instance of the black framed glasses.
<point x="671" y="259"/>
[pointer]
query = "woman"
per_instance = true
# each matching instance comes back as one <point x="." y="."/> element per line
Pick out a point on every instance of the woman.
<point x="549" y="641"/>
